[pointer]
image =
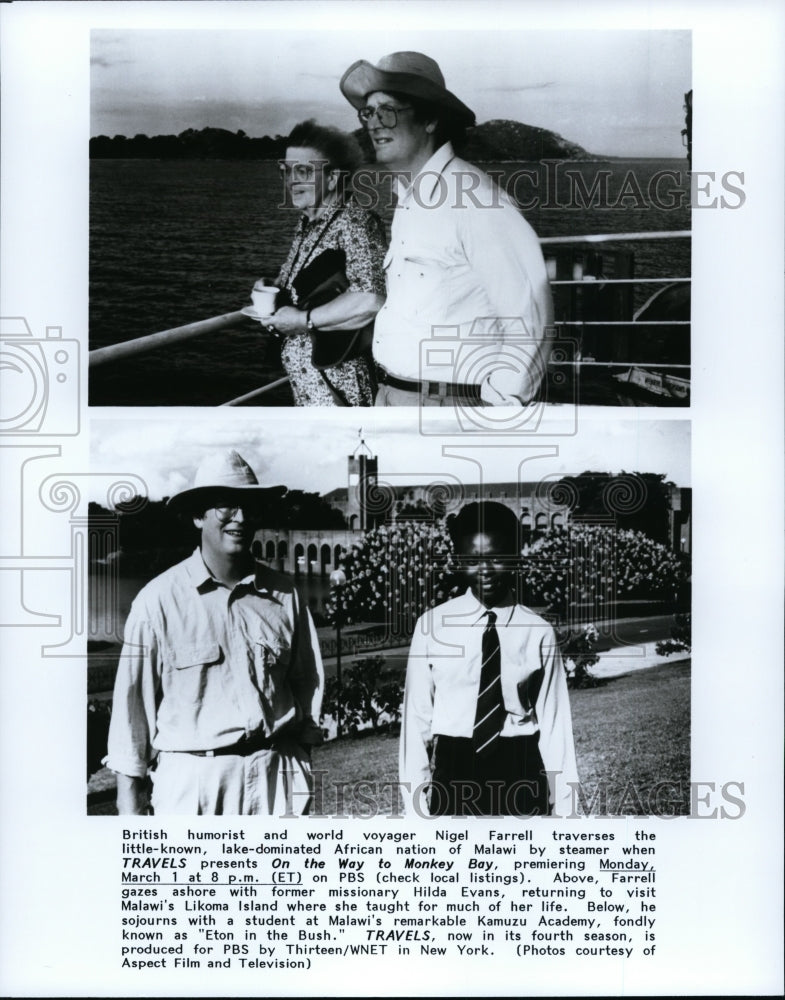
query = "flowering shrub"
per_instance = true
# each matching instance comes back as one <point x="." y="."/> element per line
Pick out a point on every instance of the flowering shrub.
<point x="598" y="565"/>
<point x="578" y="650"/>
<point x="394" y="574"/>
<point x="681" y="637"/>
<point x="399" y="571"/>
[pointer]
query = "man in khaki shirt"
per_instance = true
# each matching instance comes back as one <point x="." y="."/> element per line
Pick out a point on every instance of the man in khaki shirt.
<point x="219" y="686"/>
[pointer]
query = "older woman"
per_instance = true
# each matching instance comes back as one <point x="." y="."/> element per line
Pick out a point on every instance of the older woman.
<point x="318" y="163"/>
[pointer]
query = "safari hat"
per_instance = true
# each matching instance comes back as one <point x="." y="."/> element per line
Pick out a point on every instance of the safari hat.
<point x="410" y="73"/>
<point x="223" y="476"/>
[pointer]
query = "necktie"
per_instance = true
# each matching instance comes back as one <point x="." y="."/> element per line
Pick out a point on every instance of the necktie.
<point x="490" y="706"/>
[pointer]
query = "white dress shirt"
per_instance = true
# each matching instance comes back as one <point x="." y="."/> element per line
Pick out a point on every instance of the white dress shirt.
<point x="468" y="298"/>
<point x="443" y="679"/>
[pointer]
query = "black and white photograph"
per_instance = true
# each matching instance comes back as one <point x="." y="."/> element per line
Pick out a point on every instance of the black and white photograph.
<point x="502" y="217"/>
<point x="584" y="559"/>
<point x="391" y="551"/>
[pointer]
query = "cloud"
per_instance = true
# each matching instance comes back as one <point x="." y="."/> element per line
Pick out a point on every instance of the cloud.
<point x="318" y="76"/>
<point x="287" y="450"/>
<point x="266" y="90"/>
<point x="165" y="117"/>
<point x="520" y="88"/>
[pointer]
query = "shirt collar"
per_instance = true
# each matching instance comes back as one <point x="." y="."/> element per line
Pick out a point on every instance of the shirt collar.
<point x="201" y="576"/>
<point x="435" y="165"/>
<point x="477" y="611"/>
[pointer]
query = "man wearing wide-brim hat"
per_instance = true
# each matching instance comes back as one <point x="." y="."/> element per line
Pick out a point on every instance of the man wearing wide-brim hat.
<point x="219" y="685"/>
<point x="468" y="307"/>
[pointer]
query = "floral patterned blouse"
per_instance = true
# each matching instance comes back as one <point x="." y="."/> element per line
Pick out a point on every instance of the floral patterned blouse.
<point x="360" y="234"/>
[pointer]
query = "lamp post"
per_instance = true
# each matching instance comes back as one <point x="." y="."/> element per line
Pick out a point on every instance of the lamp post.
<point x="338" y="582"/>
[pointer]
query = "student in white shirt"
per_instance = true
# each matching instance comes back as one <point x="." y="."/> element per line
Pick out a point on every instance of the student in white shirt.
<point x="524" y="763"/>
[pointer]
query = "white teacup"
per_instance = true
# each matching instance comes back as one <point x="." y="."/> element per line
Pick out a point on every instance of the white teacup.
<point x="263" y="298"/>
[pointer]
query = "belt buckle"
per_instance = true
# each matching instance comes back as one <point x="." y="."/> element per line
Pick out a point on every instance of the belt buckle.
<point x="437" y="389"/>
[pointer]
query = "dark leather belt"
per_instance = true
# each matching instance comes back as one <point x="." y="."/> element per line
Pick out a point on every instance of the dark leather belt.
<point x="467" y="393"/>
<point x="243" y="748"/>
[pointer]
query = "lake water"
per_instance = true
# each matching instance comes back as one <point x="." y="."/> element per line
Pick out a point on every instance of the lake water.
<point x="172" y="242"/>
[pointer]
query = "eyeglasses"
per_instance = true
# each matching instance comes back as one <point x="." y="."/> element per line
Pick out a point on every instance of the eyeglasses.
<point x="301" y="171"/>
<point x="225" y="514"/>
<point x="386" y="114"/>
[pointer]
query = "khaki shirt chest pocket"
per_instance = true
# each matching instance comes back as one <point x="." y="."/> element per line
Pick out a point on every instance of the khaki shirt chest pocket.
<point x="417" y="278"/>
<point x="191" y="667"/>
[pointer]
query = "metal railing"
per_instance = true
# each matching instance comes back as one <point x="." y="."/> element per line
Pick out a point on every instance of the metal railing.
<point x="143" y="345"/>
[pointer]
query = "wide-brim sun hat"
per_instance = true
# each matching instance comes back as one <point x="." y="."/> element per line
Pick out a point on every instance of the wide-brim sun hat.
<point x="225" y="477"/>
<point x="410" y="73"/>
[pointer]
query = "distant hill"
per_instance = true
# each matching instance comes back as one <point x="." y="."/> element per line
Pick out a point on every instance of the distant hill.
<point x="494" y="140"/>
<point x="501" y="139"/>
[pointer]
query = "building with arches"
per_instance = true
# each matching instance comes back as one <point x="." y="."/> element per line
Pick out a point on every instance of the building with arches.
<point x="367" y="501"/>
<point x="304" y="553"/>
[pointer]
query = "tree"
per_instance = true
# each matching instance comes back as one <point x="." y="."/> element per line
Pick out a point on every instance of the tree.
<point x="369" y="692"/>
<point x="309" y="511"/>
<point x="639" y="501"/>
<point x="191" y="142"/>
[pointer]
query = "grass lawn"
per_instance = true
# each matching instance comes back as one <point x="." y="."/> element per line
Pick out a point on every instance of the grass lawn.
<point x="632" y="732"/>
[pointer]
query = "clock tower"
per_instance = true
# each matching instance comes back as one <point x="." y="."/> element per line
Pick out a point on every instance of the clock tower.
<point x="363" y="468"/>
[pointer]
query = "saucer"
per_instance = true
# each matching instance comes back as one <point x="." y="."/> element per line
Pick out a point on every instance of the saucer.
<point x="251" y="313"/>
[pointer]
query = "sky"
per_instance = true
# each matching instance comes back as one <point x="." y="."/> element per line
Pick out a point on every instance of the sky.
<point x="618" y="93"/>
<point x="286" y="448"/>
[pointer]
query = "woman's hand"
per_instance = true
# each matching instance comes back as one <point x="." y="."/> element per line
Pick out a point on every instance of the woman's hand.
<point x="287" y="321"/>
<point x="347" y="311"/>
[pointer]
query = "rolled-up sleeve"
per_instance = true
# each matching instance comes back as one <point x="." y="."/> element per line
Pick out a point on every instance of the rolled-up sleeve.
<point x="554" y="718"/>
<point x="133" y="723"/>
<point x="414" y="765"/>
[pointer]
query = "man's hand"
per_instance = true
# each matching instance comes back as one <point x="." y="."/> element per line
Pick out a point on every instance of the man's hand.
<point x="132" y="796"/>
